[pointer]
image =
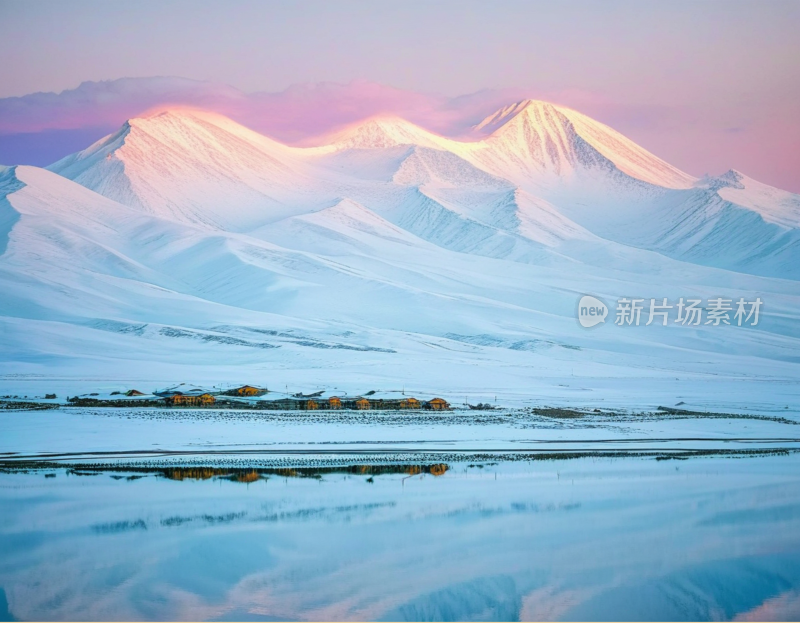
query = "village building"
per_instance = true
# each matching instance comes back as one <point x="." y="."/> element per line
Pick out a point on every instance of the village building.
<point x="380" y="402"/>
<point x="246" y="390"/>
<point x="371" y="401"/>
<point x="437" y="404"/>
<point x="190" y="398"/>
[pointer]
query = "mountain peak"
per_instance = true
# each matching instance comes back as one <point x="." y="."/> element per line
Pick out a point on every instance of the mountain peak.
<point x="162" y="114"/>
<point x="183" y="164"/>
<point x="557" y="140"/>
<point x="383" y="131"/>
<point x="537" y="138"/>
<point x="506" y="114"/>
<point x="182" y="122"/>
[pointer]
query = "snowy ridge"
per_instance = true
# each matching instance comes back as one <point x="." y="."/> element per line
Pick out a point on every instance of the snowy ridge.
<point x="626" y="155"/>
<point x="9" y="183"/>
<point x="774" y="205"/>
<point x="423" y="166"/>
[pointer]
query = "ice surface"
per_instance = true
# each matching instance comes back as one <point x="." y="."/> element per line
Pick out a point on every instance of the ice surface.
<point x="76" y="434"/>
<point x="586" y="539"/>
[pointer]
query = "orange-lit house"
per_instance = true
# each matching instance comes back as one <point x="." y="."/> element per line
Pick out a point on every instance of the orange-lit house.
<point x="191" y="400"/>
<point x="360" y="403"/>
<point x="437" y="404"/>
<point x="246" y="390"/>
<point x="295" y="404"/>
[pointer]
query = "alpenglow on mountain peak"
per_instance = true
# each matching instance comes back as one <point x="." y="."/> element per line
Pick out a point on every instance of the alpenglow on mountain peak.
<point x="381" y="131"/>
<point x="502" y="116"/>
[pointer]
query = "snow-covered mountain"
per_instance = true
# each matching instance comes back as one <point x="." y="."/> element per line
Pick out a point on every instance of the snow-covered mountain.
<point x="195" y="167"/>
<point x="532" y="138"/>
<point x="577" y="177"/>
<point x="387" y="251"/>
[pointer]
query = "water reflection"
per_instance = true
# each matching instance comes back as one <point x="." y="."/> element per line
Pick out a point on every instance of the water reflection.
<point x="586" y="539"/>
<point x="246" y="475"/>
<point x="5" y="614"/>
<point x="714" y="591"/>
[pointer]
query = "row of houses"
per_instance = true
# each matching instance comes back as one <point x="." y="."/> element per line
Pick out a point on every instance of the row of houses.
<point x="357" y="403"/>
<point x="297" y="402"/>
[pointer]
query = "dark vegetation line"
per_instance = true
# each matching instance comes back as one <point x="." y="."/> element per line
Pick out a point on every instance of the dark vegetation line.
<point x="268" y="409"/>
<point x="433" y="462"/>
<point x="64" y="457"/>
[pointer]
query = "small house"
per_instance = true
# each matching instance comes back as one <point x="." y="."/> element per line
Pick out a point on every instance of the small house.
<point x="362" y="403"/>
<point x="334" y="402"/>
<point x="292" y="404"/>
<point x="246" y="390"/>
<point x="437" y="404"/>
<point x="409" y="403"/>
<point x="134" y="392"/>
<point x="191" y="400"/>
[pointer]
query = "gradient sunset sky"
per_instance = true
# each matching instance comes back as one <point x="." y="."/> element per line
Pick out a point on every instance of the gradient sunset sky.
<point x="708" y="86"/>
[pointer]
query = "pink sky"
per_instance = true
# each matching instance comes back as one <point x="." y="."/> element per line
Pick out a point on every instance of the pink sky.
<point x="708" y="86"/>
<point x="764" y="146"/>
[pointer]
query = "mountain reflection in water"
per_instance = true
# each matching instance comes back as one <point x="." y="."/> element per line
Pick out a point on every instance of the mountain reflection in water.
<point x="709" y="538"/>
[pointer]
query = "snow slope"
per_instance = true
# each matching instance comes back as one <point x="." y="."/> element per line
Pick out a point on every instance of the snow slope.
<point x="774" y="205"/>
<point x="188" y="165"/>
<point x="343" y="296"/>
<point x="186" y="247"/>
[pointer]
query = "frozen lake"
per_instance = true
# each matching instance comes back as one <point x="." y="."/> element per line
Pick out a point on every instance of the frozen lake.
<point x="581" y="539"/>
<point x="214" y="515"/>
<point x="91" y="433"/>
